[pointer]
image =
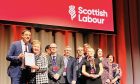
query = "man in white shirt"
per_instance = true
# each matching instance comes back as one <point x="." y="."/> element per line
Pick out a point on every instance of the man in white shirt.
<point x="16" y="69"/>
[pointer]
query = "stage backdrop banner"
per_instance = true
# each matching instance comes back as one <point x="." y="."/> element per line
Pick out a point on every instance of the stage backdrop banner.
<point x="87" y="14"/>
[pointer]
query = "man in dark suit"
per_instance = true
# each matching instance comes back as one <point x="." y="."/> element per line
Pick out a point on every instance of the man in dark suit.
<point x="16" y="57"/>
<point x="69" y="69"/>
<point x="56" y="66"/>
<point x="85" y="48"/>
<point x="80" y="58"/>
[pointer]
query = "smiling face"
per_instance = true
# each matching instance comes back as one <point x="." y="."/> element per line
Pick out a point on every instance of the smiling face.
<point x="36" y="46"/>
<point x="110" y="58"/>
<point x="80" y="52"/>
<point x="67" y="51"/>
<point x="90" y="53"/>
<point x="85" y="47"/>
<point x="53" y="48"/>
<point x="100" y="53"/>
<point x="26" y="36"/>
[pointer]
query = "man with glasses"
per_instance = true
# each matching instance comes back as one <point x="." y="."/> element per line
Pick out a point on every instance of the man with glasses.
<point x="56" y="66"/>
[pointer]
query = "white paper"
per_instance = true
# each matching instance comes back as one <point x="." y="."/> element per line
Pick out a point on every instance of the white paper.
<point x="29" y="59"/>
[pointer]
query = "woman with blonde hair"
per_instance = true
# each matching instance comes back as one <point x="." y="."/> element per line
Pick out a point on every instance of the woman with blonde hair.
<point x="92" y="68"/>
<point x="41" y="65"/>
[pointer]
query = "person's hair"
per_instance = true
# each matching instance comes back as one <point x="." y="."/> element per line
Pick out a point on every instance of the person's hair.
<point x="79" y="47"/>
<point x="110" y="55"/>
<point x="86" y="44"/>
<point x="47" y="47"/>
<point x="53" y="45"/>
<point x="96" y="52"/>
<point x="67" y="47"/>
<point x="36" y="42"/>
<point x="91" y="49"/>
<point x="25" y="31"/>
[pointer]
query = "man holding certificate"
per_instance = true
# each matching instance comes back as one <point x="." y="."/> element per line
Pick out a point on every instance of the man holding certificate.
<point x="17" y="70"/>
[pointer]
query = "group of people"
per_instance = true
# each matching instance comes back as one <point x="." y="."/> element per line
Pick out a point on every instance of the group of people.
<point x="87" y="67"/>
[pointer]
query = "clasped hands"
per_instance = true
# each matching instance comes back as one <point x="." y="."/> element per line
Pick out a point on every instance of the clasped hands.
<point x="56" y="76"/>
<point x="94" y="76"/>
<point x="108" y="81"/>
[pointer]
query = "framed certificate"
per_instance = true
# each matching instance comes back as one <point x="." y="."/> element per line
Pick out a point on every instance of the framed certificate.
<point x="29" y="59"/>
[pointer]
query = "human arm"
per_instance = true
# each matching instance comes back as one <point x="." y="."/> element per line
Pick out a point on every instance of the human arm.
<point x="101" y="69"/>
<point x="15" y="54"/>
<point x="74" y="72"/>
<point x="118" y="74"/>
<point x="84" y="71"/>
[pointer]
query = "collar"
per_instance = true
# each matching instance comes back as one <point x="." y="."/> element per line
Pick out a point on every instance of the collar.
<point x="22" y="42"/>
<point x="66" y="56"/>
<point x="54" y="55"/>
<point x="37" y="56"/>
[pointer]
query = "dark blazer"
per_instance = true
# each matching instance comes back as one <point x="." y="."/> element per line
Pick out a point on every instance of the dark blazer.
<point x="80" y="78"/>
<point x="79" y="67"/>
<point x="14" y="69"/>
<point x="71" y="69"/>
<point x="60" y="65"/>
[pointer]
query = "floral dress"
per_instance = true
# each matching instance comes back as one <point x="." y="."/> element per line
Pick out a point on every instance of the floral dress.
<point x="110" y="72"/>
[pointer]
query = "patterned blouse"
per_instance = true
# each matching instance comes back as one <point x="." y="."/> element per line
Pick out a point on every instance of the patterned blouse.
<point x="41" y="75"/>
<point x="110" y="71"/>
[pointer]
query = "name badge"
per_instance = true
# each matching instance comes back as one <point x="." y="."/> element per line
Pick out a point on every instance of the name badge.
<point x="92" y="71"/>
<point x="65" y="69"/>
<point x="77" y="68"/>
<point x="55" y="68"/>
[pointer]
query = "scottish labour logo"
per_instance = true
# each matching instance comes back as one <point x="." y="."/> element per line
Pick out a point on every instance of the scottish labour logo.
<point x="72" y="11"/>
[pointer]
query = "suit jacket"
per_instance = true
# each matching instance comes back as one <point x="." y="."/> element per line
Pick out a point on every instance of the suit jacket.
<point x="14" y="69"/>
<point x="79" y="67"/>
<point x="71" y="69"/>
<point x="60" y="65"/>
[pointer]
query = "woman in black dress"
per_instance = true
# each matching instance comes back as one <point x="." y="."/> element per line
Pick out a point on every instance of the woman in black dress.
<point x="92" y="68"/>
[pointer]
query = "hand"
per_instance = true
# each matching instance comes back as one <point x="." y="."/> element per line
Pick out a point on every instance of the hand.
<point x="91" y="75"/>
<point x="35" y="67"/>
<point x="113" y="81"/>
<point x="73" y="82"/>
<point x="94" y="76"/>
<point x="21" y="56"/>
<point x="56" y="76"/>
<point x="108" y="81"/>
